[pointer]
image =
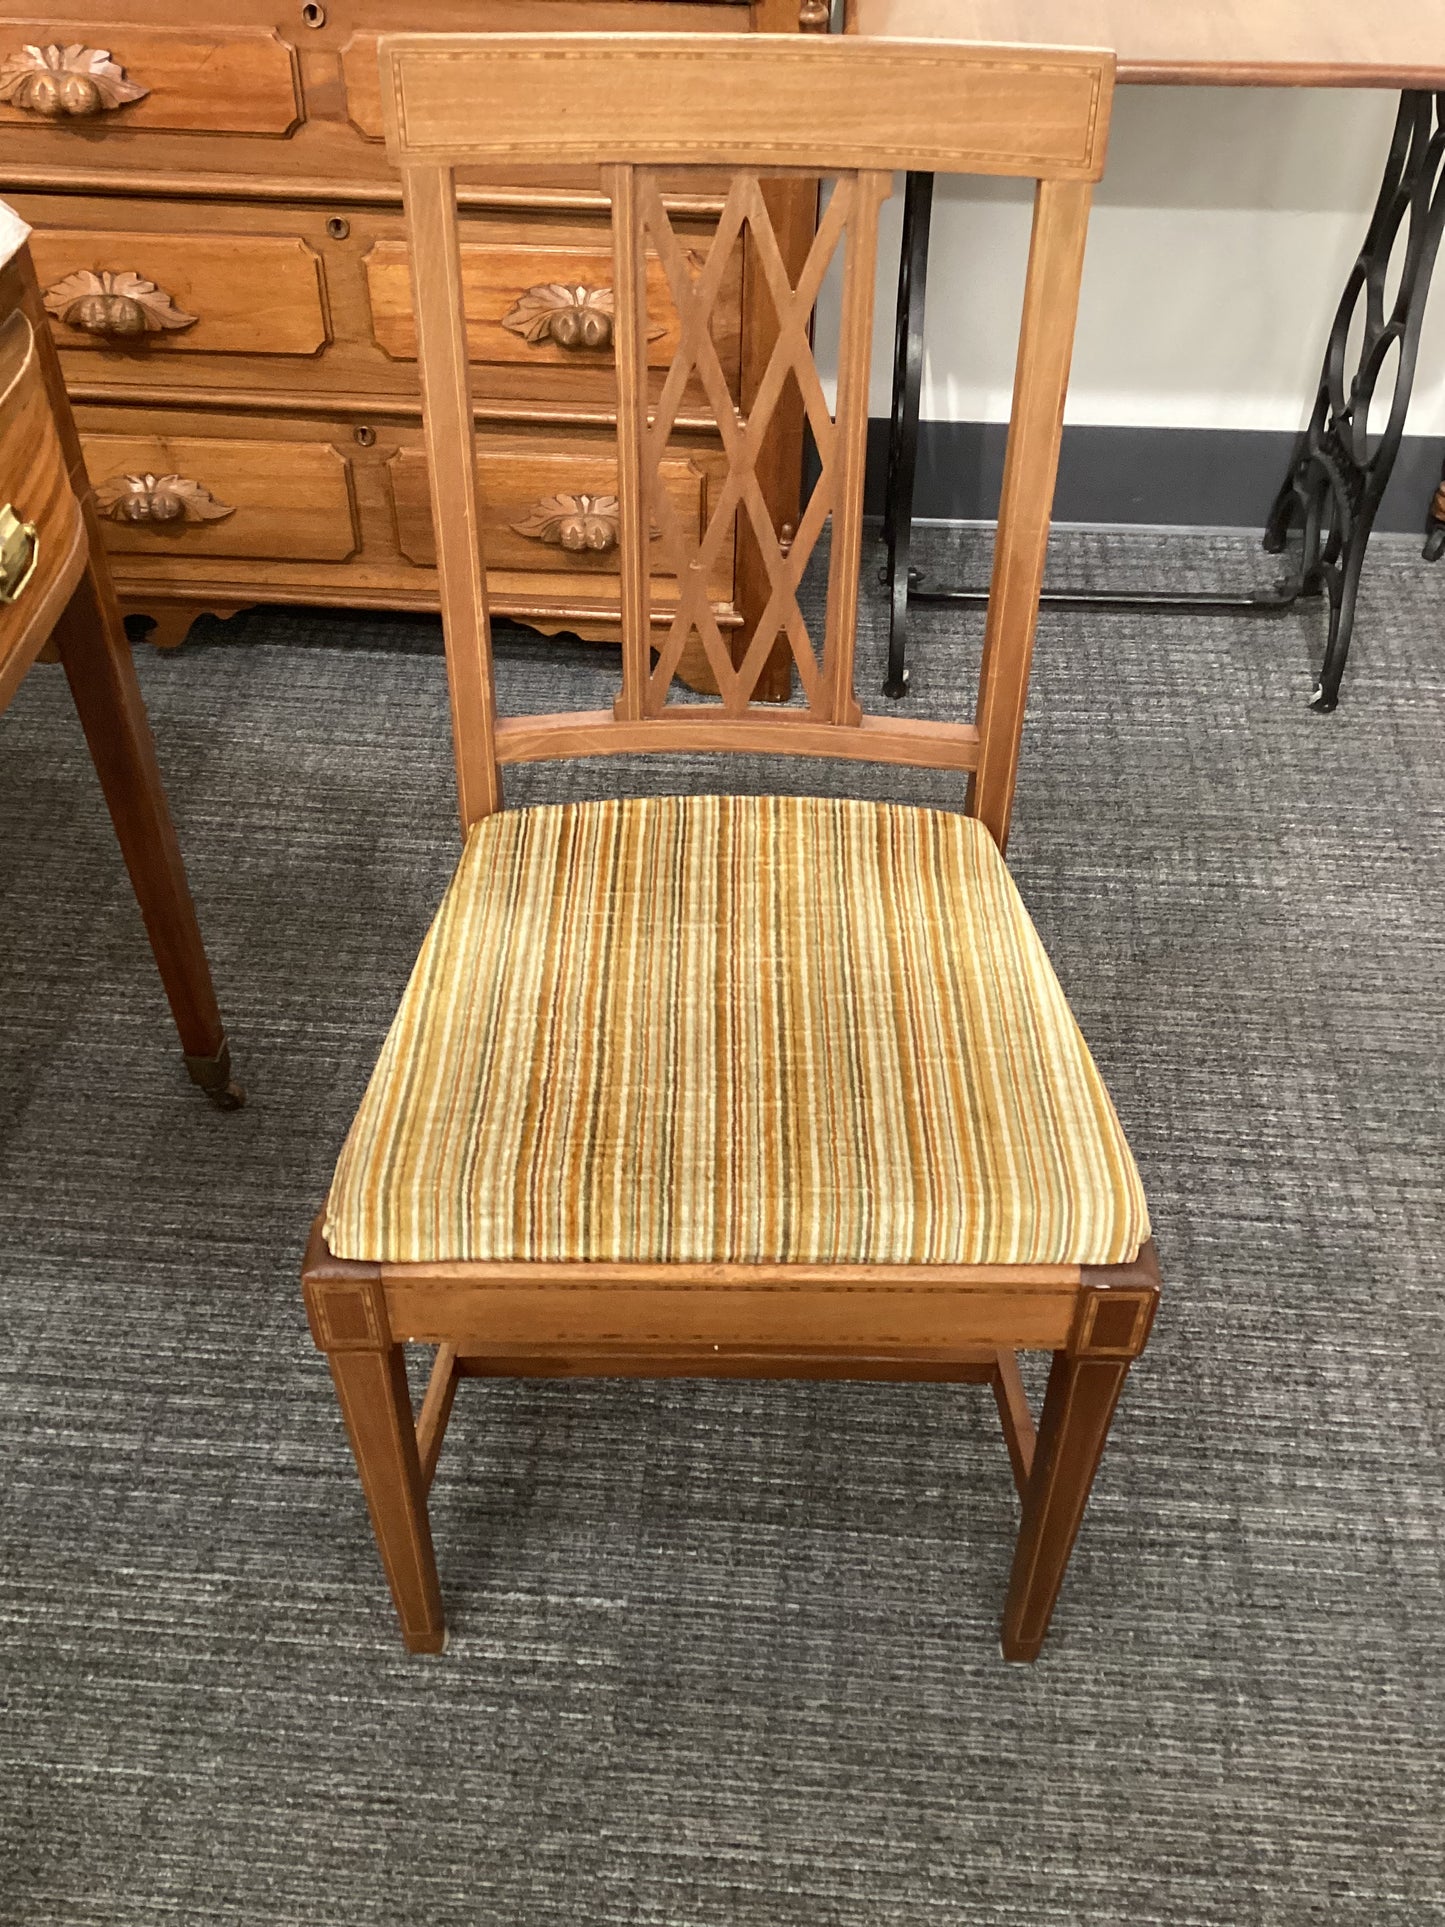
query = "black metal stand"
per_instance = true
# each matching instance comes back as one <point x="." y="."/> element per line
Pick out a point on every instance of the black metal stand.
<point x="1334" y="490"/>
<point x="1339" y="474"/>
<point x="903" y="422"/>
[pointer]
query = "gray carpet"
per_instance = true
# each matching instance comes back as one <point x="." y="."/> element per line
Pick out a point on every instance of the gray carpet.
<point x="725" y="1655"/>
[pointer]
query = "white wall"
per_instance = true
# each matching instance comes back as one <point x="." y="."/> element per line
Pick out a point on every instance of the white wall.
<point x="1223" y="231"/>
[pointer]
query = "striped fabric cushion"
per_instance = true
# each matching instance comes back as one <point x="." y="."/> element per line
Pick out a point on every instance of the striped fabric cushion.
<point x="744" y="1029"/>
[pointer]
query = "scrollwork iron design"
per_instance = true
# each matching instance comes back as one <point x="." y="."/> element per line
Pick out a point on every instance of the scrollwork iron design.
<point x="1333" y="492"/>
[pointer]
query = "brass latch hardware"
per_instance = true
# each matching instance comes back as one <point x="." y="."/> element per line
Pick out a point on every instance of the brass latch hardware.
<point x="19" y="554"/>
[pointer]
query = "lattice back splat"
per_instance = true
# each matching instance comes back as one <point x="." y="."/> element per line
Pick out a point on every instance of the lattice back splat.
<point x="849" y="223"/>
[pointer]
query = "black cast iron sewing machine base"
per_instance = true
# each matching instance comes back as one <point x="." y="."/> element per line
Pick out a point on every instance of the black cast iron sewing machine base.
<point x="1337" y="479"/>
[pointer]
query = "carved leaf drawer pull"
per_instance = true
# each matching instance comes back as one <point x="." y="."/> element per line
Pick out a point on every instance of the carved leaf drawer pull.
<point x="119" y="305"/>
<point x="60" y="82"/>
<point x="569" y="316"/>
<point x="581" y="523"/>
<point x="566" y="314"/>
<point x="158" y="499"/>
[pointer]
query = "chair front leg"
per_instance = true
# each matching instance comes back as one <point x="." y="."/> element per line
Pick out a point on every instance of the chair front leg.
<point x="347" y="1309"/>
<point x="1111" y="1326"/>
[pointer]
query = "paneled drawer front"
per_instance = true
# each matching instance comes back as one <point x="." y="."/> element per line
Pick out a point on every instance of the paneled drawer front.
<point x="109" y="80"/>
<point x="539" y="306"/>
<point x="285" y="486"/>
<point x="35" y="487"/>
<point x="547" y="510"/>
<point x="201" y="496"/>
<point x="180" y="294"/>
<point x="253" y="87"/>
<point x="315" y="299"/>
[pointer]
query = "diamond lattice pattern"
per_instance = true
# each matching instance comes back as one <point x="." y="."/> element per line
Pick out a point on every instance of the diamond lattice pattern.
<point x="695" y="292"/>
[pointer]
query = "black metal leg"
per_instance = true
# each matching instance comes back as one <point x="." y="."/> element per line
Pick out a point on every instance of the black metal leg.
<point x="903" y="421"/>
<point x="1435" y="524"/>
<point x="1335" y="486"/>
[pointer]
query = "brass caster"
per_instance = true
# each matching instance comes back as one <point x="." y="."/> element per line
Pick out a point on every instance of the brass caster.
<point x="213" y="1074"/>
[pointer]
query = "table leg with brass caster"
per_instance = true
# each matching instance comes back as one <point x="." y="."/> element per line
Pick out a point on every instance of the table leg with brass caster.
<point x="96" y="656"/>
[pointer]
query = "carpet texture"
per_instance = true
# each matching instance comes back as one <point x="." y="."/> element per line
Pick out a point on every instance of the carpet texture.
<point x="726" y="1655"/>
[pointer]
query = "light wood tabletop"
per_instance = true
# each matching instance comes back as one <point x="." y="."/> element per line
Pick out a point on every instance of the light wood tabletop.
<point x="1218" y="43"/>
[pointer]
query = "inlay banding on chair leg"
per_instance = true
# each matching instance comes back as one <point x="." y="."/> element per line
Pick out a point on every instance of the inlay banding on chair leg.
<point x="346" y="1305"/>
<point x="1115" y="1313"/>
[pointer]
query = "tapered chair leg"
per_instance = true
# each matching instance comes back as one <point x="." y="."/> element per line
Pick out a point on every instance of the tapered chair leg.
<point x="1116" y="1310"/>
<point x="347" y="1309"/>
<point x="373" y="1393"/>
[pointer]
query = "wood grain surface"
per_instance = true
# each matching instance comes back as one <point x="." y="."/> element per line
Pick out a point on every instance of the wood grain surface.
<point x="1221" y="43"/>
<point x="659" y="100"/>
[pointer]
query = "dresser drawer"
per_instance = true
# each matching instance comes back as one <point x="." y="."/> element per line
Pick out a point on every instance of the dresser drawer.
<point x="316" y="300"/>
<point x="335" y="509"/>
<point x="253" y="87"/>
<point x="550" y="508"/>
<point x="220" y="497"/>
<point x="535" y="305"/>
<point x="101" y="80"/>
<point x="138" y="294"/>
<point x="40" y="552"/>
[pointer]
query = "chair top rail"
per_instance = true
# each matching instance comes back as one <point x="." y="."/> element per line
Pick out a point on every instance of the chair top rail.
<point x="755" y="100"/>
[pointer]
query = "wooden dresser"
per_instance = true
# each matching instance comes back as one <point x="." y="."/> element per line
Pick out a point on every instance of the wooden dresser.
<point x="220" y="243"/>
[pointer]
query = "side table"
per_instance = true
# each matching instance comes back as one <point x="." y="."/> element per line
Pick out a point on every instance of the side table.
<point x="55" y="586"/>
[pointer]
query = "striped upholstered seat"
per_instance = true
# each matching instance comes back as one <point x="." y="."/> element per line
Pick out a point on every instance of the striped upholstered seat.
<point x="740" y="1029"/>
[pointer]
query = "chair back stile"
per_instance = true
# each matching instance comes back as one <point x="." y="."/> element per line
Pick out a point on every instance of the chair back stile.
<point x="633" y="109"/>
<point x="429" y="197"/>
<point x="629" y="334"/>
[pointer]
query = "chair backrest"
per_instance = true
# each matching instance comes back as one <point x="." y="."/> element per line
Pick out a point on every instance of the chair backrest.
<point x="756" y="107"/>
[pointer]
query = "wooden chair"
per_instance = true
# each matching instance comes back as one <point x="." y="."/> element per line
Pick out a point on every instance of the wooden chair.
<point x="711" y="1085"/>
<point x="55" y="590"/>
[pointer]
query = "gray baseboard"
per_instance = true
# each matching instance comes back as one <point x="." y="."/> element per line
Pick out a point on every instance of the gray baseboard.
<point x="1171" y="477"/>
